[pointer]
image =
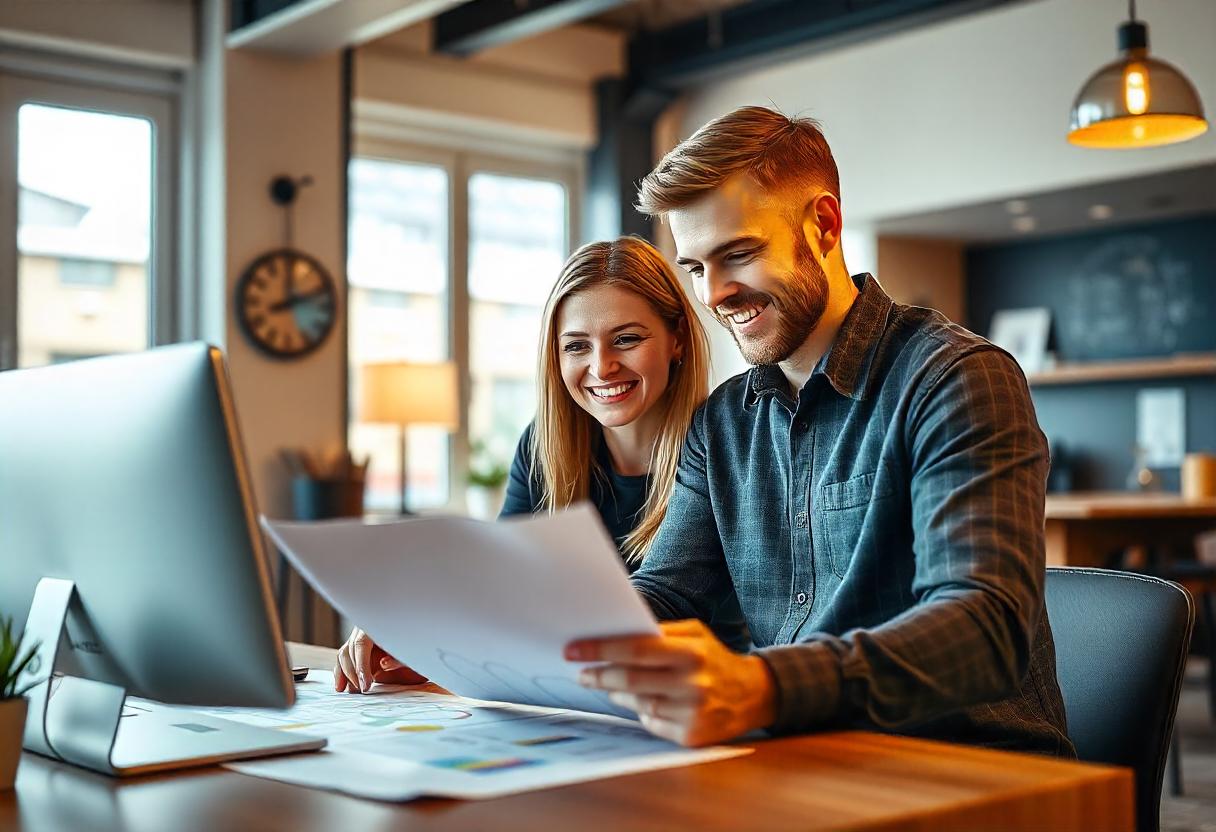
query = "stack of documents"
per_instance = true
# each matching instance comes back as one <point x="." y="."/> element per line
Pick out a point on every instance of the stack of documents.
<point x="483" y="610"/>
<point x="398" y="743"/>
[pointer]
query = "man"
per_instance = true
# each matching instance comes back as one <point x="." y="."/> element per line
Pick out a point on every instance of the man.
<point x="870" y="492"/>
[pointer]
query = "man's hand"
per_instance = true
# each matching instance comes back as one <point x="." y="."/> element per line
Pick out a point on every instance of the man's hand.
<point x="362" y="662"/>
<point x="685" y="685"/>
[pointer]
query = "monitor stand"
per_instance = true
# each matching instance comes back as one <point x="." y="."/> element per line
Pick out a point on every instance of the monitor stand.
<point x="88" y="723"/>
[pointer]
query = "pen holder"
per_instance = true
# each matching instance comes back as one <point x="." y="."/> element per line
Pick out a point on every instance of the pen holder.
<point x="314" y="499"/>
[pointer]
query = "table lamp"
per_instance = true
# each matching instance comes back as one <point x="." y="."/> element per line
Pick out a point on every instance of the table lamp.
<point x="405" y="394"/>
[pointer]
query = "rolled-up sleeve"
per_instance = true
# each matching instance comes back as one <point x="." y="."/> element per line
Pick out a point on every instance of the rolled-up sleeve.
<point x="978" y="464"/>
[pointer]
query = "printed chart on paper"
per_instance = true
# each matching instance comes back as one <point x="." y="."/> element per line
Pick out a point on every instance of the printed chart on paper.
<point x="400" y="743"/>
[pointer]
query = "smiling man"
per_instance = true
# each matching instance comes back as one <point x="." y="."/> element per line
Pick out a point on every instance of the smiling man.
<point x="870" y="493"/>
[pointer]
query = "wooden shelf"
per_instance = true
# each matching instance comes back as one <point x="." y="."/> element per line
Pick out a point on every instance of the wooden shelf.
<point x="1185" y="364"/>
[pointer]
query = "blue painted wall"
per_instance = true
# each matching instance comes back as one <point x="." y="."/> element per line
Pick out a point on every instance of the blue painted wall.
<point x="1147" y="290"/>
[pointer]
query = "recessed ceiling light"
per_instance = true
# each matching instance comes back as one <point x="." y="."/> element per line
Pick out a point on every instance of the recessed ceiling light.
<point x="1024" y="224"/>
<point x="1100" y="212"/>
<point x="1017" y="206"/>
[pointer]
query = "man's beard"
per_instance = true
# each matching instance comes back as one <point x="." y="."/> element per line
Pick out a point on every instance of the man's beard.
<point x="799" y="303"/>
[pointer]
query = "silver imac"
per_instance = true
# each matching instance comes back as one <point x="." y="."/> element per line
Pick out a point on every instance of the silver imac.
<point x="129" y="547"/>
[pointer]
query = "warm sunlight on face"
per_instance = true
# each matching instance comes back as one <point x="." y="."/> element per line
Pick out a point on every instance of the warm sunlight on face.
<point x="753" y="267"/>
<point x="616" y="353"/>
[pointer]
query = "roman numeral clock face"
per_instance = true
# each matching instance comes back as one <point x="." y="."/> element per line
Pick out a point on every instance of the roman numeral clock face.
<point x="285" y="303"/>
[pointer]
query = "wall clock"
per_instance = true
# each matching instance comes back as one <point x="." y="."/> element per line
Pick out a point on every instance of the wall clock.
<point x="285" y="303"/>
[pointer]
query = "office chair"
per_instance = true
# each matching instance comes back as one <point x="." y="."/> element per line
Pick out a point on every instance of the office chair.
<point x="1199" y="579"/>
<point x="1121" y="646"/>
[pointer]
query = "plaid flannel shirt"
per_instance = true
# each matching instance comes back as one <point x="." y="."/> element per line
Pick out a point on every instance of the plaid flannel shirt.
<point x="881" y="534"/>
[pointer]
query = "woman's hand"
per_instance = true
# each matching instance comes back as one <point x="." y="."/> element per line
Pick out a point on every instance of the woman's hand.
<point x="361" y="663"/>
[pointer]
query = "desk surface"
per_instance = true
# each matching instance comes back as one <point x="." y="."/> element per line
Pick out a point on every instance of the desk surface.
<point x="850" y="780"/>
<point x="1132" y="505"/>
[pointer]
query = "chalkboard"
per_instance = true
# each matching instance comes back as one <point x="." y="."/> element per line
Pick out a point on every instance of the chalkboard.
<point x="1122" y="293"/>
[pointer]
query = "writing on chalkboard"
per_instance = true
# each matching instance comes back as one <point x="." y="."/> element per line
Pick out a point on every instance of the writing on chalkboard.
<point x="1129" y="296"/>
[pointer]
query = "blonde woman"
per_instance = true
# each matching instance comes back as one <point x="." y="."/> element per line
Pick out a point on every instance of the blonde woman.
<point x="623" y="364"/>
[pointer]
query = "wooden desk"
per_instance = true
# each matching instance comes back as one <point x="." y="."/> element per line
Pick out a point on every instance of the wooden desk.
<point x="834" y="781"/>
<point x="1084" y="528"/>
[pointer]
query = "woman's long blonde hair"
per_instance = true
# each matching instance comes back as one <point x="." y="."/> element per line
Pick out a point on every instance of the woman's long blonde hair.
<point x="563" y="436"/>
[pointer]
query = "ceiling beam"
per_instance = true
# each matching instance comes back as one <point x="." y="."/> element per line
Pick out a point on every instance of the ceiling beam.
<point x="763" y="32"/>
<point x="304" y="28"/>
<point x="480" y="24"/>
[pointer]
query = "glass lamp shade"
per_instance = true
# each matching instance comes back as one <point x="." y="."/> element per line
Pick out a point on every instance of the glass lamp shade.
<point x="1136" y="101"/>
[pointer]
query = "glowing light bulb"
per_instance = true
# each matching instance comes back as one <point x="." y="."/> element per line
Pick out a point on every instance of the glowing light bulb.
<point x="1135" y="88"/>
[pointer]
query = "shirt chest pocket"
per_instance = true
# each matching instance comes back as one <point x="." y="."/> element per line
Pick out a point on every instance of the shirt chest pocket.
<point x="841" y="511"/>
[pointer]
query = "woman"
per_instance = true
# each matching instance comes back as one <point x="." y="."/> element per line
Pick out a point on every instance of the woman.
<point x="623" y="364"/>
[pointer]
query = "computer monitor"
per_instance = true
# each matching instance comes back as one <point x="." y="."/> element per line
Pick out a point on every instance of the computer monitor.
<point x="125" y="475"/>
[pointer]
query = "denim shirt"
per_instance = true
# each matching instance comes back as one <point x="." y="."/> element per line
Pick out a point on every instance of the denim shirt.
<point x="882" y="534"/>
<point x="619" y="499"/>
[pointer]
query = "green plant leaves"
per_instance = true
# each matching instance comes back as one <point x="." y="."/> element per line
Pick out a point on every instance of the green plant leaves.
<point x="12" y="662"/>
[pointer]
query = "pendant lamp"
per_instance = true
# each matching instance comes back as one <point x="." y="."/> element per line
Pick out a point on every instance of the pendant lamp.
<point x="1137" y="101"/>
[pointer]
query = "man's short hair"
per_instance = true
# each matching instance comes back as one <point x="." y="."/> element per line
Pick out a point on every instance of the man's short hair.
<point x="779" y="153"/>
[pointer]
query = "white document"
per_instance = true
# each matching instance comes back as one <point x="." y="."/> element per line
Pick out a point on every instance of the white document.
<point x="398" y="743"/>
<point x="482" y="609"/>
<point x="1161" y="426"/>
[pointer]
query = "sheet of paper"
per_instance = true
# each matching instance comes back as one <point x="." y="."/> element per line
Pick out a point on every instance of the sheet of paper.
<point x="400" y="743"/>
<point x="482" y="609"/>
<point x="1161" y="425"/>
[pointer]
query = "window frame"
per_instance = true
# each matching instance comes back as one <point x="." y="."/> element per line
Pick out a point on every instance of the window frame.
<point x="155" y="96"/>
<point x="564" y="166"/>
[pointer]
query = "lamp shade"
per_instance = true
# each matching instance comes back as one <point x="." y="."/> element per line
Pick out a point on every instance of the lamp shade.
<point x="409" y="394"/>
<point x="1136" y="101"/>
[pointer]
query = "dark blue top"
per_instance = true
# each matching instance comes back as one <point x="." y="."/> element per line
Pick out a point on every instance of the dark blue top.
<point x="619" y="499"/>
<point x="883" y="531"/>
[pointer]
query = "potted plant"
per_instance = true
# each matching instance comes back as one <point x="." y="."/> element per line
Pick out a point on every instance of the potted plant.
<point x="487" y="482"/>
<point x="12" y="701"/>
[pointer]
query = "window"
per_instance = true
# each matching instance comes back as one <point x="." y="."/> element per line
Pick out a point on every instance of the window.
<point x="92" y="239"/>
<point x="517" y="244"/>
<point x="398" y="273"/>
<point x="75" y="272"/>
<point x="451" y="258"/>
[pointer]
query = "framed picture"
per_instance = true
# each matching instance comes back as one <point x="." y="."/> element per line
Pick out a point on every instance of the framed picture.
<point x="1024" y="333"/>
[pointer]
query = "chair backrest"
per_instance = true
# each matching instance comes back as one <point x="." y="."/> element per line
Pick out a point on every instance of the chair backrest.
<point x="1121" y="645"/>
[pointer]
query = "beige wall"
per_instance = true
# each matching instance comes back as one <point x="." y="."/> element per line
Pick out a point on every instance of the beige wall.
<point x="157" y="32"/>
<point x="257" y="117"/>
<point x="284" y="116"/>
<point x="924" y="273"/>
<point x="540" y="89"/>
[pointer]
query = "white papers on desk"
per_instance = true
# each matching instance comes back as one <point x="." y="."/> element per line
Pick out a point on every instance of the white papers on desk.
<point x="398" y="743"/>
<point x="482" y="609"/>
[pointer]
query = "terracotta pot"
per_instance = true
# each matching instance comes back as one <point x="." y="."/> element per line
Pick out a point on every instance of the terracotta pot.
<point x="12" y="729"/>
